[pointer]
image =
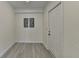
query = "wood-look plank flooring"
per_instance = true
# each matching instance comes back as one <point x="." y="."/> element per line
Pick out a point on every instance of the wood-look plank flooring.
<point x="28" y="50"/>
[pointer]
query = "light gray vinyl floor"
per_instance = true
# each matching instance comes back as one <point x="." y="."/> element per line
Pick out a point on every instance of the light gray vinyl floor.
<point x="28" y="50"/>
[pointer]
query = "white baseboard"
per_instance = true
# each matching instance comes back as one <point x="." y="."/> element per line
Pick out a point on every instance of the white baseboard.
<point x="46" y="46"/>
<point x="1" y="54"/>
<point x="49" y="50"/>
<point x="29" y="42"/>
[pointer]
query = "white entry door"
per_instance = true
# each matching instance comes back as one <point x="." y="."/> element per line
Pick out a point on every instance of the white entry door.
<point x="55" y="41"/>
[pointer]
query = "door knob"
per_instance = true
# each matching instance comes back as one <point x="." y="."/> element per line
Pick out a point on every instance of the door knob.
<point x="49" y="33"/>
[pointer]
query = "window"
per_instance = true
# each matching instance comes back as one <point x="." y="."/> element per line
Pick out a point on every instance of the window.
<point x="28" y="22"/>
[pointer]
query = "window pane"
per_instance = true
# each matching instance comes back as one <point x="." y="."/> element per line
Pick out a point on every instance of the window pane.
<point x="25" y="22"/>
<point x="32" y="22"/>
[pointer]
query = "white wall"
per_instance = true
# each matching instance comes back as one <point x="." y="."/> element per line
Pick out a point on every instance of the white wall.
<point x="33" y="35"/>
<point x="7" y="27"/>
<point x="71" y="29"/>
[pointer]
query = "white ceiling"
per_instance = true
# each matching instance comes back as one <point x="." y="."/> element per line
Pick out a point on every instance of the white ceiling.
<point x="27" y="5"/>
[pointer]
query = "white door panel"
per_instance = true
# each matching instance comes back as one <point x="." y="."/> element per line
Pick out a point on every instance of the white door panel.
<point x="56" y="31"/>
